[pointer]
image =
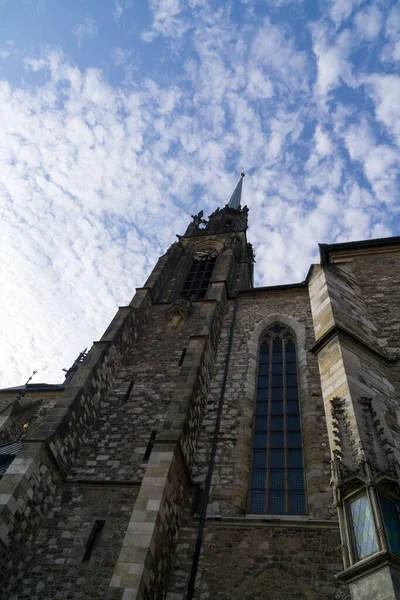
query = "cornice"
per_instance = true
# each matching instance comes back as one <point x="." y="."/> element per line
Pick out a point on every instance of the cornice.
<point x="340" y="331"/>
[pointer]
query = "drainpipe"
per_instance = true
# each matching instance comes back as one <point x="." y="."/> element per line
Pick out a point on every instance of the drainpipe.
<point x="203" y="512"/>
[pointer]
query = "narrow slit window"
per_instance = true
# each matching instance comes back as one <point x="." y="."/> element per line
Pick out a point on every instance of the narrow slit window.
<point x="277" y="482"/>
<point x="198" y="280"/>
<point x="182" y="358"/>
<point x="93" y="539"/>
<point x="149" y="447"/>
<point x="128" y="392"/>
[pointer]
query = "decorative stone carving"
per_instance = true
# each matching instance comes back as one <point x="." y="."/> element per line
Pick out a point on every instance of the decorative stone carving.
<point x="205" y="254"/>
<point x="342" y="594"/>
<point x="379" y="453"/>
<point x="251" y="253"/>
<point x="196" y="224"/>
<point x="344" y="446"/>
<point x="178" y="312"/>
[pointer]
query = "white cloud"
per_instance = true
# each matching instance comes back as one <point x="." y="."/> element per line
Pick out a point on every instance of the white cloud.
<point x="35" y="64"/>
<point x="97" y="179"/>
<point x="340" y="10"/>
<point x="119" y="7"/>
<point x="273" y="50"/>
<point x="380" y="162"/>
<point x="332" y="61"/>
<point x="385" y="91"/>
<point x="167" y="19"/>
<point x="391" y="51"/>
<point x="369" y="22"/>
<point x="259" y="86"/>
<point x="85" y="30"/>
<point x="4" y="53"/>
<point x="359" y="139"/>
<point x="120" y="56"/>
<point x="323" y="144"/>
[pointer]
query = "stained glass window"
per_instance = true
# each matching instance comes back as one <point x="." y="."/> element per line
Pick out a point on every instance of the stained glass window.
<point x="277" y="483"/>
<point x="363" y="527"/>
<point x="390" y="512"/>
<point x="198" y="279"/>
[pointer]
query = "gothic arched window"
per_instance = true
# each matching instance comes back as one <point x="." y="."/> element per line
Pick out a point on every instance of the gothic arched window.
<point x="277" y="475"/>
<point x="198" y="279"/>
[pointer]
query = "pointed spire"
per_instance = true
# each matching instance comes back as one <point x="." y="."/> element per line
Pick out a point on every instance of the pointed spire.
<point x="236" y="197"/>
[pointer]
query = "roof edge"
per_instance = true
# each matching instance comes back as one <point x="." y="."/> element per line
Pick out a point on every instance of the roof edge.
<point x="325" y="250"/>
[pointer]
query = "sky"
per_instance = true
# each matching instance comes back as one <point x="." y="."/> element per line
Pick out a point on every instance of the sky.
<point x="121" y="118"/>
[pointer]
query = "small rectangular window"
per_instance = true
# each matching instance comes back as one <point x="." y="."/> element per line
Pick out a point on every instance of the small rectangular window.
<point x="182" y="358"/>
<point x="149" y="447"/>
<point x="277" y="458"/>
<point x="93" y="539"/>
<point x="277" y="479"/>
<point x="259" y="459"/>
<point x="296" y="479"/>
<point x="297" y="503"/>
<point x="261" y="409"/>
<point x="295" y="458"/>
<point x="277" y="408"/>
<point x="128" y="392"/>
<point x="257" y="501"/>
<point x="277" y="503"/>
<point x="261" y="423"/>
<point x="259" y="478"/>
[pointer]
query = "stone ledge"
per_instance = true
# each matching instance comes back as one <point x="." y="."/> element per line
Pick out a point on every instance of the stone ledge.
<point x="369" y="565"/>
<point x="276" y="521"/>
<point x="339" y="331"/>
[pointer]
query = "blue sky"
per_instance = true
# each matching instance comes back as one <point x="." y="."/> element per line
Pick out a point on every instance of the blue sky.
<point x="119" y="119"/>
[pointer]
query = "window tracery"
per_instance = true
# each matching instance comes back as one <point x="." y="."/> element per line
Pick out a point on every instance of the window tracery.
<point x="277" y="476"/>
<point x="199" y="277"/>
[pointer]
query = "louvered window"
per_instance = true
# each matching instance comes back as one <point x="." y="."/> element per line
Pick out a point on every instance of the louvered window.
<point x="277" y="477"/>
<point x="198" y="279"/>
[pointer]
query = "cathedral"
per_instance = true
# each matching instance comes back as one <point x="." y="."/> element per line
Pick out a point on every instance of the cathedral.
<point x="220" y="441"/>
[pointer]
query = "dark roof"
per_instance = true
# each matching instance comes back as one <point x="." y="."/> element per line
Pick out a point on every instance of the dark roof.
<point x="274" y="288"/>
<point x="326" y="249"/>
<point x="35" y="387"/>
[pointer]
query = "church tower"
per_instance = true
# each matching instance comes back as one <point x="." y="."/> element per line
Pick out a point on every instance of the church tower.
<point x="109" y="466"/>
<point x="220" y="441"/>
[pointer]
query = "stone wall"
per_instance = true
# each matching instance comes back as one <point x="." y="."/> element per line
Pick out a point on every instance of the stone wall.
<point x="29" y="411"/>
<point x="55" y="567"/>
<point x="50" y="450"/>
<point x="260" y="559"/>
<point x="233" y="462"/>
<point x="27" y="493"/>
<point x="357" y="303"/>
<point x="144" y="563"/>
<point x="379" y="280"/>
<point x="117" y="442"/>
